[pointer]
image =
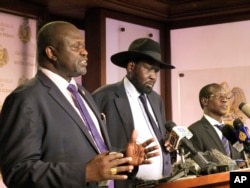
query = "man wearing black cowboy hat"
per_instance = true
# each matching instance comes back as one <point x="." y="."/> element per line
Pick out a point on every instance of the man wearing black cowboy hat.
<point x="123" y="104"/>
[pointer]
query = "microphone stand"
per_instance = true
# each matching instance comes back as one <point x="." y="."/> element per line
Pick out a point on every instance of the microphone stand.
<point x="245" y="158"/>
<point x="183" y="161"/>
<point x="183" y="172"/>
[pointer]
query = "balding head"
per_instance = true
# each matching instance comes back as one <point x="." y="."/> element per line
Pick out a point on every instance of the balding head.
<point x="50" y="34"/>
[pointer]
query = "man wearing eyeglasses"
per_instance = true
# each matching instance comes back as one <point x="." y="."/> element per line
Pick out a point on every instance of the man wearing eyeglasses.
<point x="207" y="135"/>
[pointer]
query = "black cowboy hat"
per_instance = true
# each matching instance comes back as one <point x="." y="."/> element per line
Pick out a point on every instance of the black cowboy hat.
<point x="141" y="49"/>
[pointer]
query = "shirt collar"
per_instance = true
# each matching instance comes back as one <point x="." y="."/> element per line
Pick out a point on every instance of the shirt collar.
<point x="60" y="82"/>
<point x="212" y="121"/>
<point x="130" y="88"/>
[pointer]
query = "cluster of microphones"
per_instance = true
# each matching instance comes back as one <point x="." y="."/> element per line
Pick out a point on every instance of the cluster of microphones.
<point x="209" y="162"/>
<point x="237" y="135"/>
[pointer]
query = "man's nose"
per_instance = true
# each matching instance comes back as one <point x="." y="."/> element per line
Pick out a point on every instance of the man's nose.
<point x="153" y="74"/>
<point x="84" y="52"/>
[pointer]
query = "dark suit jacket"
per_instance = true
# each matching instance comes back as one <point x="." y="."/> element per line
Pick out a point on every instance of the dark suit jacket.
<point x="43" y="141"/>
<point x="205" y="138"/>
<point x="113" y="102"/>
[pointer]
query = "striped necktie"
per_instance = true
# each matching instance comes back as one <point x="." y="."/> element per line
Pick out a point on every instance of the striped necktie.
<point x="224" y="142"/>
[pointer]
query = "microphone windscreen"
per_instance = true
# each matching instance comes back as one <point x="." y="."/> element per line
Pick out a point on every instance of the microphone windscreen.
<point x="229" y="132"/>
<point x="169" y="125"/>
<point x="241" y="105"/>
<point x="220" y="159"/>
<point x="237" y="123"/>
<point x="190" y="164"/>
<point x="245" y="108"/>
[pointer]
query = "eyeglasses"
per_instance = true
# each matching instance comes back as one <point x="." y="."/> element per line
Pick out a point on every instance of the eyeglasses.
<point x="221" y="96"/>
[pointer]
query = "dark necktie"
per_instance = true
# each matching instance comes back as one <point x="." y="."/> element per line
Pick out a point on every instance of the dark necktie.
<point x="150" y="118"/>
<point x="224" y="141"/>
<point x="86" y="117"/>
<point x="165" y="155"/>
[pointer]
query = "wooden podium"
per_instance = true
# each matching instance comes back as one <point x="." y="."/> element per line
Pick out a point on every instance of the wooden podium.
<point x="218" y="180"/>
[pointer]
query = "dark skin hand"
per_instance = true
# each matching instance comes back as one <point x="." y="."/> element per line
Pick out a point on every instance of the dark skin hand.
<point x="98" y="169"/>
<point x="168" y="146"/>
<point x="140" y="153"/>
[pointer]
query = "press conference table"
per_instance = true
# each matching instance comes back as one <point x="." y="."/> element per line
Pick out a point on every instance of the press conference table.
<point x="218" y="180"/>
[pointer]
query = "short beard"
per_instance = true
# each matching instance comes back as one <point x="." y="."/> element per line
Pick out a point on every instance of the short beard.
<point x="146" y="89"/>
<point x="140" y="87"/>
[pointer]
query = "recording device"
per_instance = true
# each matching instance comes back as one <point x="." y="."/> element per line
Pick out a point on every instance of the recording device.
<point x="179" y="138"/>
<point x="245" y="108"/>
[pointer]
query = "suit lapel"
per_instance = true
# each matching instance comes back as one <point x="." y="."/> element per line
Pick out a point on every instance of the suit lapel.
<point x="121" y="103"/>
<point x="56" y="94"/>
<point x="212" y="134"/>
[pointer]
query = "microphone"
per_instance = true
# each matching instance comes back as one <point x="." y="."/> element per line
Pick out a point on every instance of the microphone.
<point x="179" y="137"/>
<point x="241" y="131"/>
<point x="220" y="158"/>
<point x="224" y="163"/>
<point x="242" y="134"/>
<point x="229" y="132"/>
<point x="245" y="108"/>
<point x="177" y="134"/>
<point x="190" y="164"/>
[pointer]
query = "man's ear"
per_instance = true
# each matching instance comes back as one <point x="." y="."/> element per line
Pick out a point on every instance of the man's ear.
<point x="204" y="101"/>
<point x="50" y="51"/>
<point x="130" y="66"/>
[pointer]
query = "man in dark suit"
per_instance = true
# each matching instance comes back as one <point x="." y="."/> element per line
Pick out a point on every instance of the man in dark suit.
<point x="44" y="141"/>
<point x="124" y="110"/>
<point x="206" y="134"/>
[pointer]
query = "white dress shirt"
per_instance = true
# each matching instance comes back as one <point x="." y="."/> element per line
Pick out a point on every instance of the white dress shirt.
<point x="145" y="131"/>
<point x="214" y="122"/>
<point x="62" y="85"/>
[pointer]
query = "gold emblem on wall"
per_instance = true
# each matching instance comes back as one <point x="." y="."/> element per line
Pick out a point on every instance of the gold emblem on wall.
<point x="24" y="31"/>
<point x="237" y="96"/>
<point x="3" y="56"/>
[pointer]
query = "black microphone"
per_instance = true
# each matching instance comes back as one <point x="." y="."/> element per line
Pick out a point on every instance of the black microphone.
<point x="245" y="108"/>
<point x="229" y="132"/>
<point x="242" y="134"/>
<point x="241" y="130"/>
<point x="169" y="125"/>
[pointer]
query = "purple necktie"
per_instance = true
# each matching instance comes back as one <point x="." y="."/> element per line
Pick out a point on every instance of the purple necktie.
<point x="86" y="117"/>
<point x="165" y="155"/>
<point x="224" y="141"/>
<point x="89" y="122"/>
